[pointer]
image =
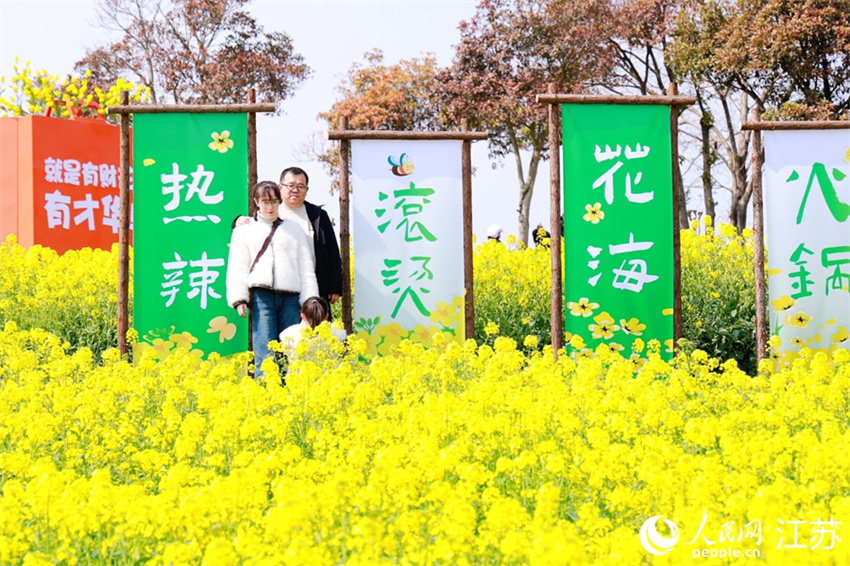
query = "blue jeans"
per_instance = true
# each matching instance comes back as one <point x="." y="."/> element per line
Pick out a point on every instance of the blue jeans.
<point x="271" y="312"/>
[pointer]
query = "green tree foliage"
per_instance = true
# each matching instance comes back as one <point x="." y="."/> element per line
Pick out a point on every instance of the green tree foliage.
<point x="509" y="52"/>
<point x="194" y="51"/>
<point x="788" y="58"/>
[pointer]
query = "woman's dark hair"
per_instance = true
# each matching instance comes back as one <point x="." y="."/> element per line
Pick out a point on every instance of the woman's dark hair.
<point x="315" y="311"/>
<point x="260" y="190"/>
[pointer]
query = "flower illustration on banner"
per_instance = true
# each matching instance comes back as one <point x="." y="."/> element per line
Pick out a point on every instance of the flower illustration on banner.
<point x="226" y="330"/>
<point x="221" y="141"/>
<point x="393" y="335"/>
<point x="183" y="340"/>
<point x="800" y="320"/>
<point x="846" y="155"/>
<point x="443" y="314"/>
<point x="783" y="303"/>
<point x="577" y="342"/>
<point x="841" y="335"/>
<point x="632" y="326"/>
<point x="582" y="308"/>
<point x="162" y="348"/>
<point x="604" y="327"/>
<point x="148" y="162"/>
<point x="594" y="213"/>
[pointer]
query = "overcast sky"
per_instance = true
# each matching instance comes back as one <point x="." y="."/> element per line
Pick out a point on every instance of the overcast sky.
<point x="331" y="35"/>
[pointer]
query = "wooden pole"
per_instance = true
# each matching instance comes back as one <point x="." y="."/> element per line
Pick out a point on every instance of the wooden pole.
<point x="468" y="277"/>
<point x="758" y="243"/>
<point x="813" y="125"/>
<point x="678" y="326"/>
<point x="556" y="322"/>
<point x="392" y="135"/>
<point x="252" y="141"/>
<point x="614" y="99"/>
<point x="124" y="231"/>
<point x="190" y="108"/>
<point x="344" y="228"/>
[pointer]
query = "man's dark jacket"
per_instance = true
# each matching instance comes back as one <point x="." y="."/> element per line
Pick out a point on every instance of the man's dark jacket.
<point x="328" y="262"/>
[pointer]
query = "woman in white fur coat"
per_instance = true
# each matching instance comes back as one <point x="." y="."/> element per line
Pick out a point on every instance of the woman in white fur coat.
<point x="269" y="282"/>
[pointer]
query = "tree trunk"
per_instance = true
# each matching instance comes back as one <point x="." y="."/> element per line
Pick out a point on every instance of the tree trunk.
<point x="683" y="200"/>
<point x="526" y="183"/>
<point x="738" y="166"/>
<point x="706" y="122"/>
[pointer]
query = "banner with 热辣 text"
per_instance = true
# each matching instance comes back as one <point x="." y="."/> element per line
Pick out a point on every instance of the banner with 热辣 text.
<point x="407" y="228"/>
<point x="806" y="180"/>
<point x="191" y="181"/>
<point x="618" y="226"/>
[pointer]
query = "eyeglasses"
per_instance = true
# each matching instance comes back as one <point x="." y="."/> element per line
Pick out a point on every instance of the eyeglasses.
<point x="269" y="202"/>
<point x="299" y="188"/>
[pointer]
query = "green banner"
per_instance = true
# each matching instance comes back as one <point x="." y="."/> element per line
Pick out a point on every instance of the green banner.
<point x="618" y="225"/>
<point x="190" y="182"/>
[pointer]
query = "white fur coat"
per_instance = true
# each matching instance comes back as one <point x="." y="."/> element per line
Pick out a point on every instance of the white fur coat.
<point x="286" y="265"/>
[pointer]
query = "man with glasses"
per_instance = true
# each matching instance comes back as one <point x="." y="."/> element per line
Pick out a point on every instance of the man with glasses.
<point x="294" y="184"/>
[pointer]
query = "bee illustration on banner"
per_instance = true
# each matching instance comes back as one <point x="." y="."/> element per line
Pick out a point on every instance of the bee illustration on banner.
<point x="401" y="166"/>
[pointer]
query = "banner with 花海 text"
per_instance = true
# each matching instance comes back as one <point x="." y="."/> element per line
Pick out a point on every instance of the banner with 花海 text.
<point x="806" y="180"/>
<point x="407" y="227"/>
<point x="618" y="226"/>
<point x="191" y="177"/>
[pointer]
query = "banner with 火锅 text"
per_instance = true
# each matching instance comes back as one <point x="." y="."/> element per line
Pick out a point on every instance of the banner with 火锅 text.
<point x="191" y="177"/>
<point x="806" y="179"/>
<point x="618" y="226"/>
<point x="407" y="228"/>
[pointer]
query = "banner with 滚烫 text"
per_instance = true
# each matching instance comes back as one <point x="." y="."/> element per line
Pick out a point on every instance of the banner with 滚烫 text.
<point x="407" y="228"/>
<point x="191" y="181"/>
<point x="618" y="226"/>
<point x="806" y="179"/>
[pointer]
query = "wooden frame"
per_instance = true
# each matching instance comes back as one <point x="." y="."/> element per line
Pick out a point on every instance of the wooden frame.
<point x="344" y="135"/>
<point x="124" y="110"/>
<point x="758" y="211"/>
<point x="553" y="99"/>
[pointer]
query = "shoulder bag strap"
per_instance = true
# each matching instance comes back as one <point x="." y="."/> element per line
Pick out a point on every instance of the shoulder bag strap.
<point x="275" y="224"/>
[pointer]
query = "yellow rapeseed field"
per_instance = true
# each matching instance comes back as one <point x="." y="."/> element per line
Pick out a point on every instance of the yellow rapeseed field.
<point x="458" y="454"/>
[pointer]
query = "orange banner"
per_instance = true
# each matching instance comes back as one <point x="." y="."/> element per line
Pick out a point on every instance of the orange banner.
<point x="60" y="182"/>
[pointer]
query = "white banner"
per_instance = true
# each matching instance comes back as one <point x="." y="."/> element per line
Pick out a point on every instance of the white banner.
<point x="807" y="228"/>
<point x="407" y="233"/>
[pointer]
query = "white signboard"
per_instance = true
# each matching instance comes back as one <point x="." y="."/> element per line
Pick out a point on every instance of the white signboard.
<point x="407" y="230"/>
<point x="807" y="228"/>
